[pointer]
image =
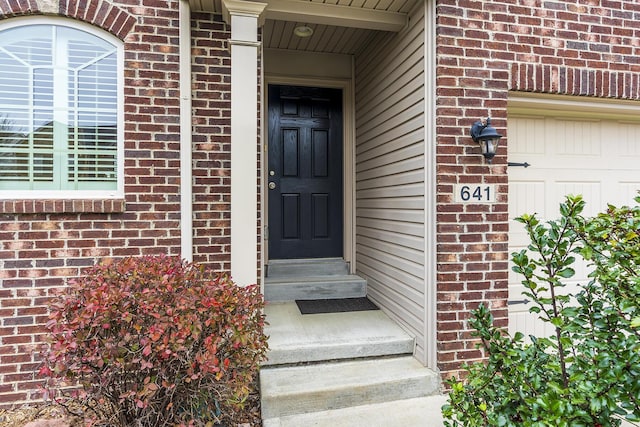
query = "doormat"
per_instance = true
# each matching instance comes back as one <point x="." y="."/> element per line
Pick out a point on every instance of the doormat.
<point x="343" y="305"/>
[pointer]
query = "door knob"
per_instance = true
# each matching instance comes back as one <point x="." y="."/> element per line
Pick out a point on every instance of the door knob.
<point x="272" y="185"/>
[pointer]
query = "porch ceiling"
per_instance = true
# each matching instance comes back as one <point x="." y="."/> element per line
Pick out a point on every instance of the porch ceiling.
<point x="325" y="38"/>
<point x="340" y="26"/>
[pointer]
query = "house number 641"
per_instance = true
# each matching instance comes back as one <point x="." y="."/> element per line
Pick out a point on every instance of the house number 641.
<point x="473" y="193"/>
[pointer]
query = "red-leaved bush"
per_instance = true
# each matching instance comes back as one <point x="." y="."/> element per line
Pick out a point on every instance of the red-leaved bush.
<point x="154" y="341"/>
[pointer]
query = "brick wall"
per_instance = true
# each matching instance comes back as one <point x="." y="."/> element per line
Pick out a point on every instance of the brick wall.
<point x="485" y="49"/>
<point x="43" y="243"/>
<point x="211" y="140"/>
<point x="211" y="67"/>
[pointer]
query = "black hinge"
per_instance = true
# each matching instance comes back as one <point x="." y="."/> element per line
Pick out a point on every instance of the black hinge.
<point x="524" y="165"/>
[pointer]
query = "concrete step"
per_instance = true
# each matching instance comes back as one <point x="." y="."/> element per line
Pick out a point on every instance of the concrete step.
<point x="307" y="267"/>
<point x="294" y="338"/>
<point x="288" y="288"/>
<point x="416" y="412"/>
<point x="325" y="386"/>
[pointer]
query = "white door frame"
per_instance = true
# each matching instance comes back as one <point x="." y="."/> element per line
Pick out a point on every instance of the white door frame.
<point x="348" y="167"/>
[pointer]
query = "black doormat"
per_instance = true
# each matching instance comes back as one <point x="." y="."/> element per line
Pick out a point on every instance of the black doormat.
<point x="317" y="306"/>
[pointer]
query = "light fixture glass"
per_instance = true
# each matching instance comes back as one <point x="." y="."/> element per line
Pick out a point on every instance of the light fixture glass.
<point x="303" y="31"/>
<point x="489" y="147"/>
<point x="484" y="134"/>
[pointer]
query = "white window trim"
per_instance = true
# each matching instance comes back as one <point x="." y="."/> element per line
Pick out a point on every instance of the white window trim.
<point x="118" y="193"/>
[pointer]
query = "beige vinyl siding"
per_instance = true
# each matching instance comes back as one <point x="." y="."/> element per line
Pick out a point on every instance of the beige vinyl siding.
<point x="390" y="190"/>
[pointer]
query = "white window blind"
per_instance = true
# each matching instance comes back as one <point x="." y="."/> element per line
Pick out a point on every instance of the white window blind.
<point x="58" y="109"/>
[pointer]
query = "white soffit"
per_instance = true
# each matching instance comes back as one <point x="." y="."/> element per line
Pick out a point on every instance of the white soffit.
<point x="383" y="15"/>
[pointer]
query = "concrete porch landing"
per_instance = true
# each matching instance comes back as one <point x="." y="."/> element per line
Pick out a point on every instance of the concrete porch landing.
<point x="344" y="369"/>
<point x="294" y="338"/>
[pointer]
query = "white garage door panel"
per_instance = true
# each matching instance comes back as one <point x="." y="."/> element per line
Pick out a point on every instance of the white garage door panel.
<point x="628" y="191"/>
<point x="577" y="139"/>
<point x="527" y="137"/>
<point x="599" y="159"/>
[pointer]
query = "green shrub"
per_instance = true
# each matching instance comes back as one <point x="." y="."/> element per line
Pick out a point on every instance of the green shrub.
<point x="588" y="372"/>
<point x="154" y="341"/>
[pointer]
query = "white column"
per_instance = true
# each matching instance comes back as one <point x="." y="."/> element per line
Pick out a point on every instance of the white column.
<point x="244" y="18"/>
<point x="186" y="176"/>
<point x="430" y="213"/>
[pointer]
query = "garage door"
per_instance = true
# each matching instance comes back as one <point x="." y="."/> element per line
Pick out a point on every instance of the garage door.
<point x="593" y="150"/>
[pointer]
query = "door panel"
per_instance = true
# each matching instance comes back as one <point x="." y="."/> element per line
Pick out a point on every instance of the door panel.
<point x="305" y="172"/>
<point x="567" y="156"/>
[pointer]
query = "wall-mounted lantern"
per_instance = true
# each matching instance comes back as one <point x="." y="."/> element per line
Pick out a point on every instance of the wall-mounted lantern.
<point x="486" y="136"/>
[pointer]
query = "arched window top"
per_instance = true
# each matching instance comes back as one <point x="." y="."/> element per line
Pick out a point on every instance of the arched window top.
<point x="35" y="44"/>
<point x="28" y="24"/>
<point x="60" y="121"/>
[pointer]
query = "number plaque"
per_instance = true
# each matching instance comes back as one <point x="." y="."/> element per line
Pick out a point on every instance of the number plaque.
<point x="475" y="193"/>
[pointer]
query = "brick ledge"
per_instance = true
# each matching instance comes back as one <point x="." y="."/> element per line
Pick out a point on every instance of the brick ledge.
<point x="62" y="206"/>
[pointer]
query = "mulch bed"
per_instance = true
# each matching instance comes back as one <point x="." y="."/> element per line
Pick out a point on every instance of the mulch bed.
<point x="38" y="415"/>
<point x="51" y="415"/>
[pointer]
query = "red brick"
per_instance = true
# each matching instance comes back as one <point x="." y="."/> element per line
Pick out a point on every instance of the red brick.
<point x="11" y="398"/>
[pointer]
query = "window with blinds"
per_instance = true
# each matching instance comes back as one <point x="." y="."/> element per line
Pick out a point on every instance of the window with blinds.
<point x="58" y="109"/>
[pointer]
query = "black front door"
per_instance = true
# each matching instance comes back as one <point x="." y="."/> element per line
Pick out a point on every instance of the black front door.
<point x="305" y="172"/>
